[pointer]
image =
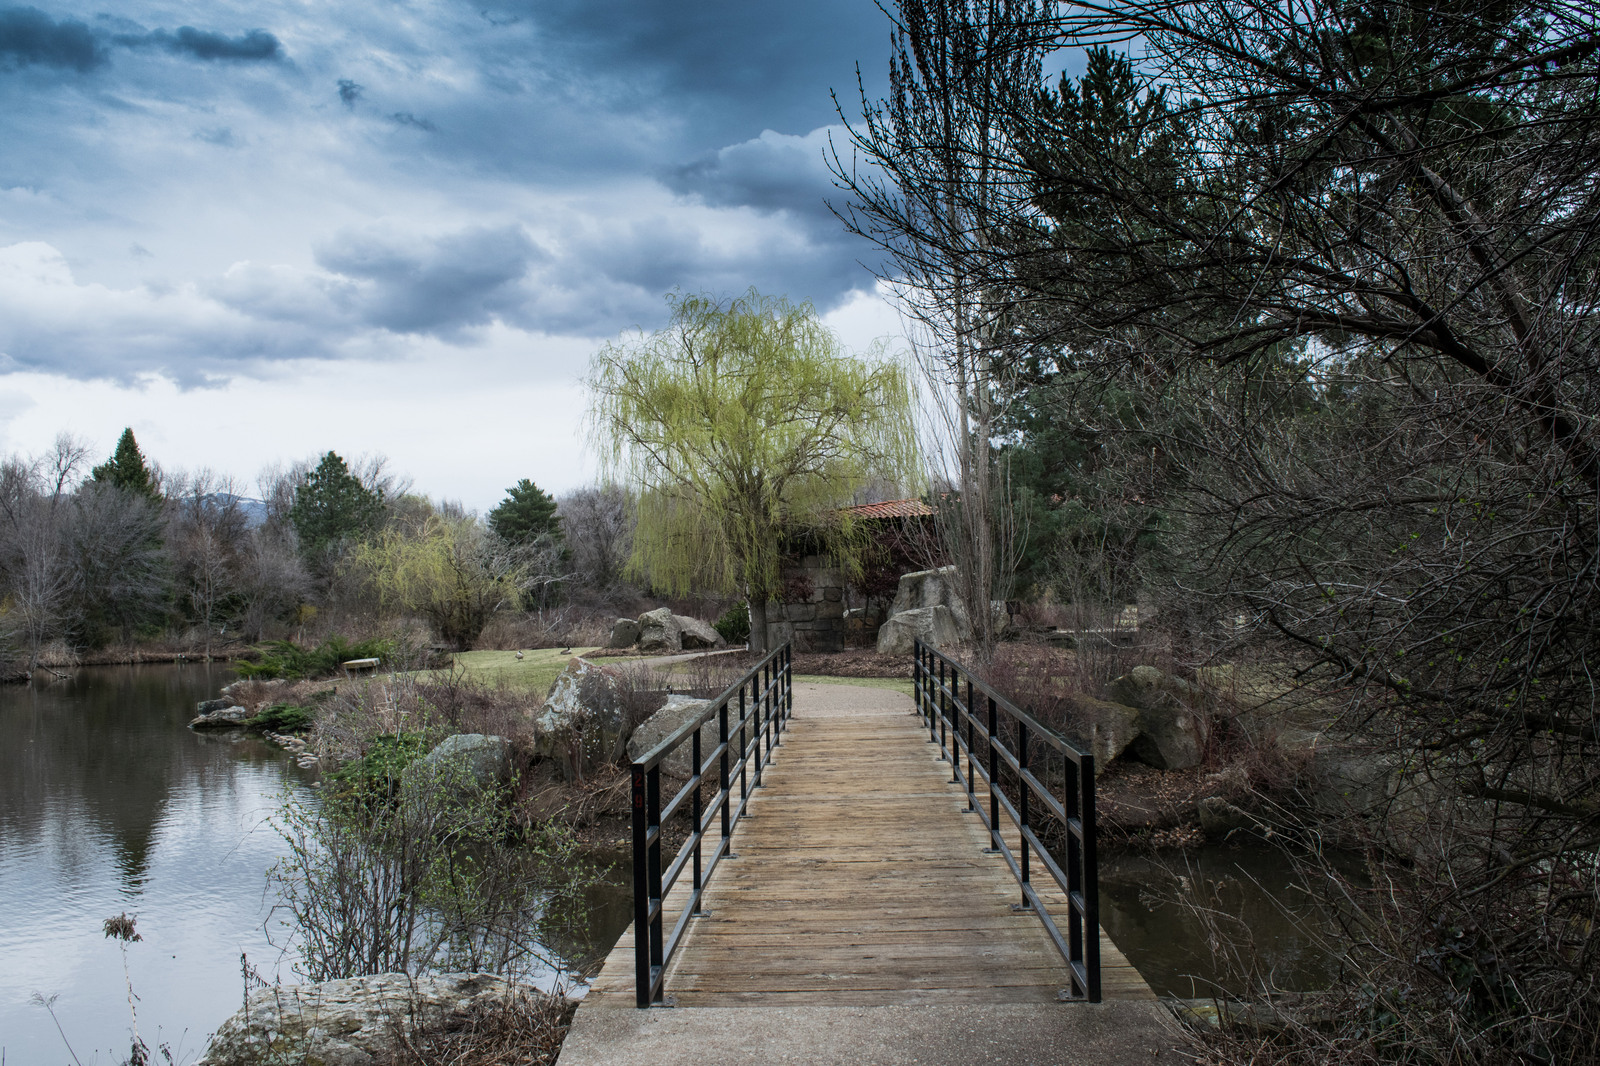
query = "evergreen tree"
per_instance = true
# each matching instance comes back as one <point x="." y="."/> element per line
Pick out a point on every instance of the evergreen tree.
<point x="332" y="506"/>
<point x="126" y="469"/>
<point x="525" y="515"/>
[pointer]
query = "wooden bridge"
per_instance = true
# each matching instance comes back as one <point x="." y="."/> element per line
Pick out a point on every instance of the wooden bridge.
<point x="837" y="852"/>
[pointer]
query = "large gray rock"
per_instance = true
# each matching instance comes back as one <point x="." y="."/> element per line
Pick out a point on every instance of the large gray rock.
<point x="223" y="718"/>
<point x="693" y="633"/>
<point x="1107" y="728"/>
<point x="941" y="588"/>
<point x="585" y="718"/>
<point x="659" y="632"/>
<point x="934" y="626"/>
<point x="358" y="1021"/>
<point x="476" y="759"/>
<point x="1171" y="734"/>
<point x="624" y="633"/>
<point x="673" y="715"/>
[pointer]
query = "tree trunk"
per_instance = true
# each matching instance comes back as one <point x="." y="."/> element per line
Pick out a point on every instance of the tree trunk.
<point x="758" y="624"/>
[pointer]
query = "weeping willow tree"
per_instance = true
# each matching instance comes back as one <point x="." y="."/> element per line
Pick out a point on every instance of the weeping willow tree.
<point x="744" y="423"/>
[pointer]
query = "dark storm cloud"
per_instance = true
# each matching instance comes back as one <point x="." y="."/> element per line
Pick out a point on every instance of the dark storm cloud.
<point x="30" y="37"/>
<point x="440" y="286"/>
<point x="254" y="46"/>
<point x="349" y="92"/>
<point x="728" y="67"/>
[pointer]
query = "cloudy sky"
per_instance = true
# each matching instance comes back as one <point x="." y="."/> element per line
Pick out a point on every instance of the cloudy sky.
<point x="258" y="231"/>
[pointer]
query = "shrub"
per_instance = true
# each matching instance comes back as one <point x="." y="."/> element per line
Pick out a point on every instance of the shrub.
<point x="734" y="625"/>
<point x="377" y="773"/>
<point x="285" y="659"/>
<point x="283" y="718"/>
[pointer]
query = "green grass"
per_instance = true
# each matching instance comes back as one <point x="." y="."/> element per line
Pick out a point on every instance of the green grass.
<point x="537" y="670"/>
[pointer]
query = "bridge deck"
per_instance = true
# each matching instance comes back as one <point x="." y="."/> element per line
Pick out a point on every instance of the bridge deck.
<point x="861" y="882"/>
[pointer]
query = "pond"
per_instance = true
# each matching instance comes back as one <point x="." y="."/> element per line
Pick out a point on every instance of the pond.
<point x="109" y="804"/>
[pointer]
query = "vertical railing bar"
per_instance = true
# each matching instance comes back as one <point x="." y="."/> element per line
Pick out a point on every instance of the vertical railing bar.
<point x="652" y="800"/>
<point x="1022" y="806"/>
<point x="994" y="773"/>
<point x="744" y="781"/>
<point x="1091" y="877"/>
<point x="966" y="715"/>
<point x="699" y="832"/>
<point x="641" y="891"/>
<point x="722" y="774"/>
<point x="759" y="698"/>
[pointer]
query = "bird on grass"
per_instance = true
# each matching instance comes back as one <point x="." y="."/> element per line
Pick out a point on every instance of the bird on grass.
<point x="519" y="655"/>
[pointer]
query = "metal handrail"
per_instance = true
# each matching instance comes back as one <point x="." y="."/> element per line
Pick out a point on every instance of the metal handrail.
<point x="770" y="688"/>
<point x="937" y="686"/>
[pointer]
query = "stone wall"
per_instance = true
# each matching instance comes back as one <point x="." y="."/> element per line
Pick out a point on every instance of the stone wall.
<point x="816" y="622"/>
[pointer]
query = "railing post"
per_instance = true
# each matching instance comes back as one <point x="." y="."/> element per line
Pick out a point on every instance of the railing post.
<point x="722" y="774"/>
<point x="744" y="778"/>
<point x="1022" y="804"/>
<point x="994" y="774"/>
<point x="967" y="716"/>
<point x="652" y="802"/>
<point x="698" y="817"/>
<point x="756" y="727"/>
<point x="943" y="685"/>
<point x="641" y="891"/>
<point x="1091" y="880"/>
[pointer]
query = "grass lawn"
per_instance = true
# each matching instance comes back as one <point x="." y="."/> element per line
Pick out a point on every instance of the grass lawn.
<point x="537" y="670"/>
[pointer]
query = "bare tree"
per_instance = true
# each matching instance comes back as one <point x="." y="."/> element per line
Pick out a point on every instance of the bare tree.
<point x="208" y="535"/>
<point x="597" y="524"/>
<point x="933" y="197"/>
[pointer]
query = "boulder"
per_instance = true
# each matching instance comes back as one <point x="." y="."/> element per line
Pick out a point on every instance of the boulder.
<point x="941" y="588"/>
<point x="668" y="720"/>
<point x="934" y="626"/>
<point x="659" y="632"/>
<point x="624" y="633"/>
<point x="208" y="706"/>
<point x="357" y="1021"/>
<point x="226" y="717"/>
<point x="585" y="719"/>
<point x="482" y="761"/>
<point x="925" y="588"/>
<point x="1171" y="735"/>
<point x="1108" y="728"/>
<point x="693" y="633"/>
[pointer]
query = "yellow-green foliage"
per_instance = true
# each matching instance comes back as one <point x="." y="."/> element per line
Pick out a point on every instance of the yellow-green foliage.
<point x="741" y="422"/>
<point x="447" y="568"/>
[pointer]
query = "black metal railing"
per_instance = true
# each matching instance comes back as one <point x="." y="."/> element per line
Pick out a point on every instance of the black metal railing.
<point x="749" y="713"/>
<point x="1008" y="750"/>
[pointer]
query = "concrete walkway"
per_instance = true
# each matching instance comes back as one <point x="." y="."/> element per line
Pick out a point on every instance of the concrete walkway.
<point x="862" y="924"/>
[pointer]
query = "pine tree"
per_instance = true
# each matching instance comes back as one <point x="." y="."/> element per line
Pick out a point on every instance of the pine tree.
<point x="126" y="469"/>
<point x="526" y="514"/>
<point x="332" y="506"/>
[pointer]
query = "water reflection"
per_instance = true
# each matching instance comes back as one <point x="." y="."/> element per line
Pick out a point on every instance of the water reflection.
<point x="108" y="804"/>
<point x="1254" y="886"/>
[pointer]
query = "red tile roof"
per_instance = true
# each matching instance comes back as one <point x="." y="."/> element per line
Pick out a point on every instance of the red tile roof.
<point x="892" y="509"/>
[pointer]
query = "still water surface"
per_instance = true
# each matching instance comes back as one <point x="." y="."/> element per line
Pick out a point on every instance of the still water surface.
<point x="109" y="804"/>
